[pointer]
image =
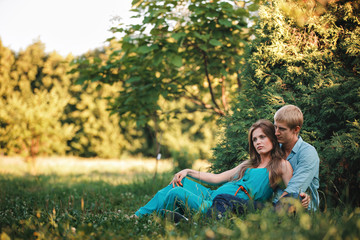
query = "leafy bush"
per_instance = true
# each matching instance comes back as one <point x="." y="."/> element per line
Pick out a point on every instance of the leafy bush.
<point x="315" y="66"/>
<point x="182" y="159"/>
<point x="32" y="103"/>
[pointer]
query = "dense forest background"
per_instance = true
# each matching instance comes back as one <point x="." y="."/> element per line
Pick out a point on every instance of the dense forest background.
<point x="188" y="83"/>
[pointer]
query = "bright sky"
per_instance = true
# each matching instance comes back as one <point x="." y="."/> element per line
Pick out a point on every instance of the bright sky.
<point x="64" y="26"/>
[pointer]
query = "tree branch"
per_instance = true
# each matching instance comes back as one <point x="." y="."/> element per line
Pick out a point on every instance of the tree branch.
<point x="238" y="81"/>
<point x="199" y="102"/>
<point x="223" y="94"/>
<point x="208" y="80"/>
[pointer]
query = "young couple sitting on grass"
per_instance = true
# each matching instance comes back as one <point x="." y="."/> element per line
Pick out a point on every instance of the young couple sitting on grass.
<point x="277" y="154"/>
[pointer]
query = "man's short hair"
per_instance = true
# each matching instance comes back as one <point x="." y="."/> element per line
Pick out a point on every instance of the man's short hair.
<point x="291" y="115"/>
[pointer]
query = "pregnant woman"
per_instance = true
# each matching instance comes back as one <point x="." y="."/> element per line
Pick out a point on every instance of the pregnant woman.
<point x="254" y="179"/>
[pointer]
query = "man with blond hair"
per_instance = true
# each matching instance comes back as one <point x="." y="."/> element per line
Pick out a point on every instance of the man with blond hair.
<point x="303" y="158"/>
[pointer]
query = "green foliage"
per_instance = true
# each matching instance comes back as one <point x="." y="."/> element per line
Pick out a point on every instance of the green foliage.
<point x="182" y="159"/>
<point x="185" y="132"/>
<point x="43" y="113"/>
<point x="189" y="50"/>
<point x="96" y="205"/>
<point x="180" y="126"/>
<point x="99" y="134"/>
<point x="32" y="103"/>
<point x="33" y="124"/>
<point x="181" y="49"/>
<point x="314" y="66"/>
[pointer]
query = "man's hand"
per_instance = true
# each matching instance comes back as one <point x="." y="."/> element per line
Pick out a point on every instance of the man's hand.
<point x="178" y="178"/>
<point x="305" y="200"/>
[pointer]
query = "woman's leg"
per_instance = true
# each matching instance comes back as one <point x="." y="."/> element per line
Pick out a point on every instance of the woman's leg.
<point x="161" y="199"/>
<point x="156" y="203"/>
<point x="192" y="195"/>
<point x="196" y="188"/>
<point x="182" y="199"/>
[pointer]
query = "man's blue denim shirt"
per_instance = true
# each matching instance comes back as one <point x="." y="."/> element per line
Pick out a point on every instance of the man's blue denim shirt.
<point x="305" y="163"/>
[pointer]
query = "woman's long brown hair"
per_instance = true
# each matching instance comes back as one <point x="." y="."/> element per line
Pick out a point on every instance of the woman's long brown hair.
<point x="274" y="166"/>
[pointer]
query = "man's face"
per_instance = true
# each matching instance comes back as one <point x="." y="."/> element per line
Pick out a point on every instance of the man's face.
<point x="283" y="133"/>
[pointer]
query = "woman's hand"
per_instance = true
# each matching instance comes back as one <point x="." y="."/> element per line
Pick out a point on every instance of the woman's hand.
<point x="178" y="177"/>
<point x="305" y="200"/>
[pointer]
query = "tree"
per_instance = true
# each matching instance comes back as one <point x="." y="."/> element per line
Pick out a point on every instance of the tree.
<point x="181" y="50"/>
<point x="194" y="55"/>
<point x="99" y="134"/>
<point x="30" y="115"/>
<point x="313" y="64"/>
<point x="182" y="132"/>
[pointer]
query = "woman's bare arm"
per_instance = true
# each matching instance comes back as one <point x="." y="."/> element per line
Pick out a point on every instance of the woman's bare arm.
<point x="287" y="171"/>
<point x="211" y="178"/>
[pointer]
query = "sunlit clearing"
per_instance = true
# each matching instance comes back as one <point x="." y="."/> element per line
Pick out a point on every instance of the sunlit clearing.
<point x="112" y="171"/>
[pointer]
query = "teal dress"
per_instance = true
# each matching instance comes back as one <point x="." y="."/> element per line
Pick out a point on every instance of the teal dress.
<point x="199" y="198"/>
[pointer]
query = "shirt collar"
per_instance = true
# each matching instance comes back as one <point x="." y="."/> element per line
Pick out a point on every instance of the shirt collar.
<point x="297" y="145"/>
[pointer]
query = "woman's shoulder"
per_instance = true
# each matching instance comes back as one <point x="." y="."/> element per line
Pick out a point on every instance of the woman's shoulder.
<point x="285" y="163"/>
<point x="285" y="166"/>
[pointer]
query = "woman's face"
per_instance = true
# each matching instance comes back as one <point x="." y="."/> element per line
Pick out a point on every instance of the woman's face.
<point x="261" y="142"/>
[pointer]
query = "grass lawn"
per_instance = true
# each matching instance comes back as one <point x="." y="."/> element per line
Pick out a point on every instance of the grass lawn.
<point x="68" y="198"/>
